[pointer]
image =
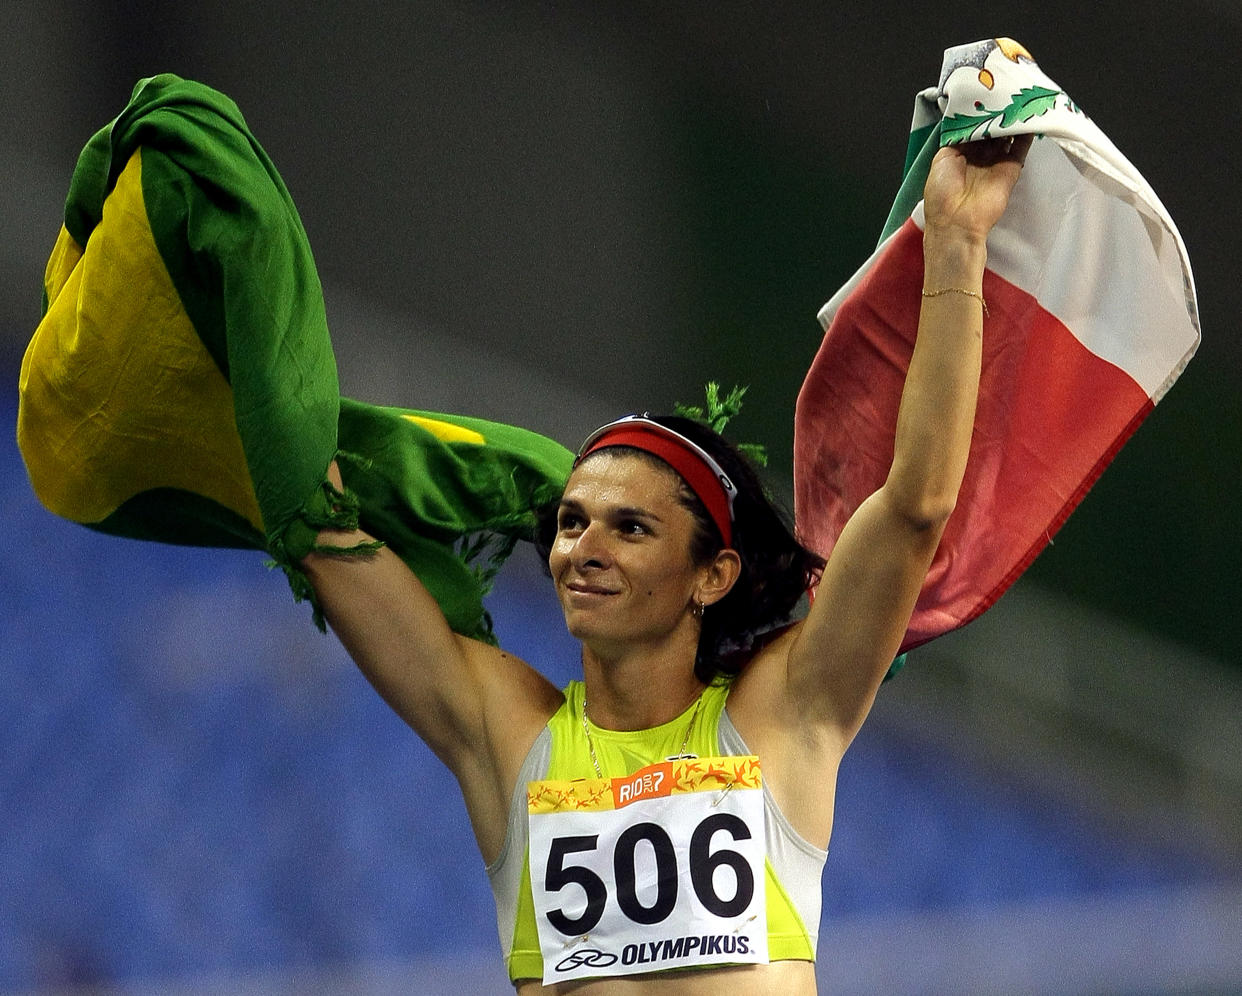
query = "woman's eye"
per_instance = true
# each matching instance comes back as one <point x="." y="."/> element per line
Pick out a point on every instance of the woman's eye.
<point x="632" y="527"/>
<point x="567" y="522"/>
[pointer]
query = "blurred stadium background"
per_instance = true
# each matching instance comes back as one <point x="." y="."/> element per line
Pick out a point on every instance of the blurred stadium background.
<point x="548" y="213"/>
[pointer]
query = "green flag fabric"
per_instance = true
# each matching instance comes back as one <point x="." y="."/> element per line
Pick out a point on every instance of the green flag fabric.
<point x="181" y="386"/>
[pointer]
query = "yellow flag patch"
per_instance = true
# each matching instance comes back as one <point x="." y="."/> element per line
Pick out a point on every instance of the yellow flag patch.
<point x="446" y="431"/>
<point x="105" y="414"/>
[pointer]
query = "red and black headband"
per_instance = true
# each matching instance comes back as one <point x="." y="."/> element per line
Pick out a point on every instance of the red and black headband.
<point x="696" y="466"/>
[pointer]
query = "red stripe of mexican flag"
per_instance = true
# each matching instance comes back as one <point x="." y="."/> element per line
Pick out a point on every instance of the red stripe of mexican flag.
<point x="1091" y="320"/>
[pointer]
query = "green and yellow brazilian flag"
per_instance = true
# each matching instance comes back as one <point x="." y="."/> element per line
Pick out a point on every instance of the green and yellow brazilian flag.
<point x="181" y="385"/>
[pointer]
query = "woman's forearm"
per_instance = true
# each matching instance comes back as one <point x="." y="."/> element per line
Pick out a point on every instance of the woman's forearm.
<point x="938" y="401"/>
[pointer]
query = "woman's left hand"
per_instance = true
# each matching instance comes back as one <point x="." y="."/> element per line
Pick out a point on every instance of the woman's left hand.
<point x="968" y="186"/>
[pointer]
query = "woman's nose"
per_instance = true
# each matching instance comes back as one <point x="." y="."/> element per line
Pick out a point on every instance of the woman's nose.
<point x="590" y="548"/>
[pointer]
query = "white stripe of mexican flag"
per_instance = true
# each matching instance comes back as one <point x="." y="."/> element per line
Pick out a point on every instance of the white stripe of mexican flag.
<point x="1092" y="318"/>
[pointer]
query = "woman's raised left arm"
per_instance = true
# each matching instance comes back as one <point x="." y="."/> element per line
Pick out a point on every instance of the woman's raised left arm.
<point x="877" y="568"/>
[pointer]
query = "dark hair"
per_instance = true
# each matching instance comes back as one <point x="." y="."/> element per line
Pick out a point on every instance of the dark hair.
<point x="776" y="568"/>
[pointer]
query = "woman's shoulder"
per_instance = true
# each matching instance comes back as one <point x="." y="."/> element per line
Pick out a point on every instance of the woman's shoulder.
<point x="763" y="678"/>
<point x="511" y="681"/>
<point x="770" y="649"/>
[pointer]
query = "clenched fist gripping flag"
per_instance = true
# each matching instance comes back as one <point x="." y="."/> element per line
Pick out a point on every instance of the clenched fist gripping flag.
<point x="1092" y="318"/>
<point x="181" y="386"/>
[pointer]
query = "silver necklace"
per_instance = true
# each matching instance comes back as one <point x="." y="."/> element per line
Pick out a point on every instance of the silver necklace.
<point x="676" y="757"/>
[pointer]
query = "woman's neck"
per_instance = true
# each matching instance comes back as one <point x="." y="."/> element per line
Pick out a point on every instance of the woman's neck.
<point x="636" y="691"/>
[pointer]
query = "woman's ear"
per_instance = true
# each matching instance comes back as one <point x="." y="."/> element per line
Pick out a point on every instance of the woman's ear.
<point x="719" y="577"/>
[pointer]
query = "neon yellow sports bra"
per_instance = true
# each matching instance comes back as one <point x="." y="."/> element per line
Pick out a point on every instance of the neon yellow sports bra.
<point x="561" y="751"/>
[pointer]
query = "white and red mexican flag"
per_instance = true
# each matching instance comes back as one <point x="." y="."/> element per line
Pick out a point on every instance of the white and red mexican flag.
<point x="1092" y="318"/>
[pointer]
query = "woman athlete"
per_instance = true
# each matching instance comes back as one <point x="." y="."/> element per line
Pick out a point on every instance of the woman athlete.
<point x="631" y="845"/>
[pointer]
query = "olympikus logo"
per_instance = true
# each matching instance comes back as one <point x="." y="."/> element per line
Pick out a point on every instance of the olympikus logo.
<point x="684" y="947"/>
<point x="650" y="782"/>
<point x="586" y="958"/>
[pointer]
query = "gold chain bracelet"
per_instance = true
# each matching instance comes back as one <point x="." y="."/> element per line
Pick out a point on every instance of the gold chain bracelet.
<point x="960" y="290"/>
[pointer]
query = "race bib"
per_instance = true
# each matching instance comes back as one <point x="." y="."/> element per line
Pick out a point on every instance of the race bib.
<point x="661" y="869"/>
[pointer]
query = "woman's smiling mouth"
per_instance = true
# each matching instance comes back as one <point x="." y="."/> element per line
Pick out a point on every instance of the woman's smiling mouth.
<point x="582" y="588"/>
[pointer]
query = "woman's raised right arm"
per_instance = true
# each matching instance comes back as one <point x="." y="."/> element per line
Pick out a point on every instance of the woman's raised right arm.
<point x="445" y="686"/>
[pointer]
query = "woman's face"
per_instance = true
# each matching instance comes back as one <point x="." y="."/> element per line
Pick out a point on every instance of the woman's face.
<point x="621" y="559"/>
